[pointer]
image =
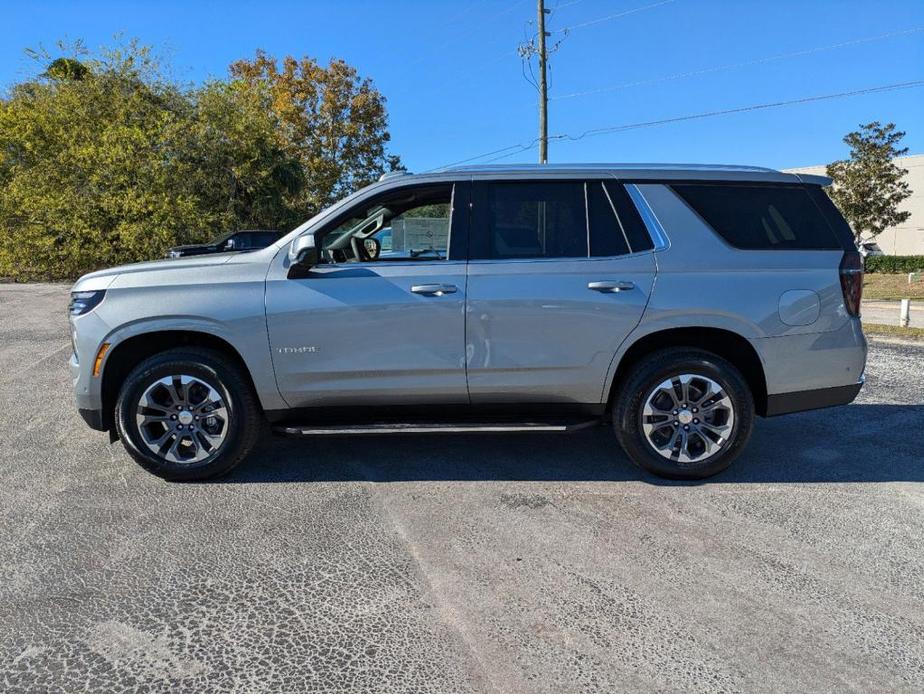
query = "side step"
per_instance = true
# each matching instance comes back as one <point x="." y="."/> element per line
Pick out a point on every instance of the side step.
<point x="432" y="428"/>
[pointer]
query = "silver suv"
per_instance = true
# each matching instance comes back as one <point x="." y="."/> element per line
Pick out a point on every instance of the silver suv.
<point x="674" y="302"/>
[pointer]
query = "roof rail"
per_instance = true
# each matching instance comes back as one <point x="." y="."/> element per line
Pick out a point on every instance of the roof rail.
<point x="393" y="174"/>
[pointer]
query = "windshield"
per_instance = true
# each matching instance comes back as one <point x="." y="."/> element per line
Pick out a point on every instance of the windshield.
<point x="221" y="239"/>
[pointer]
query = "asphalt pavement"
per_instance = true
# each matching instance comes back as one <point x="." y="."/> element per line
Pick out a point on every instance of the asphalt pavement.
<point x="458" y="563"/>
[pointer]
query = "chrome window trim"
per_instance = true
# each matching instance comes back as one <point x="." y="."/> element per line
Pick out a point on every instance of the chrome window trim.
<point x="587" y="218"/>
<point x="553" y="259"/>
<point x="452" y="213"/>
<point x="650" y="219"/>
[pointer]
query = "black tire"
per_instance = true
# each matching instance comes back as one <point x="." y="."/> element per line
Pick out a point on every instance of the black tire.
<point x="646" y="375"/>
<point x="242" y="427"/>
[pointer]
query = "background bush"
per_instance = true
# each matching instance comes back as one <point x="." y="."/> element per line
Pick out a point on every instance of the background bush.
<point x="105" y="160"/>
<point x="895" y="263"/>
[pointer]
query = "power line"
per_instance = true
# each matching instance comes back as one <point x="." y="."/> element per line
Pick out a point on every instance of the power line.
<point x="485" y="154"/>
<point x="731" y="66"/>
<point x="625" y="13"/>
<point x="461" y="36"/>
<point x="594" y="132"/>
<point x="743" y="109"/>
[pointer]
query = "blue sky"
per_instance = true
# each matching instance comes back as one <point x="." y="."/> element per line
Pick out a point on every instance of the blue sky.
<point x="455" y="88"/>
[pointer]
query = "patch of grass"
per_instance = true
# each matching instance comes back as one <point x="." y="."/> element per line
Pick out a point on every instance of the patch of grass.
<point x="883" y="287"/>
<point x="893" y="331"/>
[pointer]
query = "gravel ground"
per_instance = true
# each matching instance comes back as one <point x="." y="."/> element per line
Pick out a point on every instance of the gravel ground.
<point x="455" y="564"/>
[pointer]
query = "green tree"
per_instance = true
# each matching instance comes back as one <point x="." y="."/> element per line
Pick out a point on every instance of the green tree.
<point x="104" y="160"/>
<point x="66" y="69"/>
<point x="868" y="186"/>
<point x="332" y="120"/>
<point x="233" y="159"/>
<point x="88" y="167"/>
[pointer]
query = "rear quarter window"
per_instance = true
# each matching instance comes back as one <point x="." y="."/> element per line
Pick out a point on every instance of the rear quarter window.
<point x="835" y="219"/>
<point x="761" y="217"/>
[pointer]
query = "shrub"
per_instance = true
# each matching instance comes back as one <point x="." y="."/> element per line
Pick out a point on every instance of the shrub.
<point x="895" y="263"/>
<point x="106" y="160"/>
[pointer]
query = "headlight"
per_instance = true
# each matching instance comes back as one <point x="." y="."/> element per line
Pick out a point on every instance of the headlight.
<point x="84" y="302"/>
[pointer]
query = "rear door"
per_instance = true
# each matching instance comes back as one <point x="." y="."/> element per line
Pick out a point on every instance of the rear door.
<point x="559" y="274"/>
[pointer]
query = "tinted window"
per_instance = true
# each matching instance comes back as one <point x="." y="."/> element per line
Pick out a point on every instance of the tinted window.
<point x="606" y="233"/>
<point x="757" y="217"/>
<point x="835" y="219"/>
<point x="265" y="238"/>
<point x="532" y="220"/>
<point x="639" y="238"/>
<point x="238" y="242"/>
<point x="615" y="224"/>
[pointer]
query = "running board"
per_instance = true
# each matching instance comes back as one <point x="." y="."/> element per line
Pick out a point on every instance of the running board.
<point x="433" y="428"/>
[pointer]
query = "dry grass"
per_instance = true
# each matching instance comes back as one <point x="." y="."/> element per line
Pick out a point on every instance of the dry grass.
<point x="882" y="287"/>
<point x="893" y="331"/>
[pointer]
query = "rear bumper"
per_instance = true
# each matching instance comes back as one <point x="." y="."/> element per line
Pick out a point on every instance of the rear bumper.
<point x="785" y="403"/>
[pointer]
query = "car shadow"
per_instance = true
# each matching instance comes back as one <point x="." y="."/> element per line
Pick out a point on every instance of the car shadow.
<point x="855" y="443"/>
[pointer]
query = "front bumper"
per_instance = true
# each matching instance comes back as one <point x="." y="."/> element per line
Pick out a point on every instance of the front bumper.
<point x="93" y="418"/>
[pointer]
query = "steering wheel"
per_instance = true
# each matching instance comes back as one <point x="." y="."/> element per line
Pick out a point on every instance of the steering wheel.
<point x="373" y="247"/>
<point x="365" y="250"/>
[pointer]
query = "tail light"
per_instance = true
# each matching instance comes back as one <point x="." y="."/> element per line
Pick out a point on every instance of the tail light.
<point x="851" y="273"/>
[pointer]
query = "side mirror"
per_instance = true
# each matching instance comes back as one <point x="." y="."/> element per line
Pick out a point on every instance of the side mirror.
<point x="303" y="251"/>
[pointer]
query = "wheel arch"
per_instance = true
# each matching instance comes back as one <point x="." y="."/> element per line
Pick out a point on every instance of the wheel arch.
<point x="727" y="344"/>
<point x="125" y="355"/>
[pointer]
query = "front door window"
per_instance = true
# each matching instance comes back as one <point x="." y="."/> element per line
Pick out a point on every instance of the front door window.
<point x="406" y="225"/>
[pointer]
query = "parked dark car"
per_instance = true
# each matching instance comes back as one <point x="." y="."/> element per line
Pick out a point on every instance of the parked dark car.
<point x="249" y="240"/>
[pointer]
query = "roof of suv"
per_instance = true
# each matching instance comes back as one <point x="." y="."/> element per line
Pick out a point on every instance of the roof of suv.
<point x="637" y="172"/>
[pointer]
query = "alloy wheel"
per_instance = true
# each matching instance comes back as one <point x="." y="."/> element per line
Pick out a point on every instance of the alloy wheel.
<point x="182" y="419"/>
<point x="688" y="418"/>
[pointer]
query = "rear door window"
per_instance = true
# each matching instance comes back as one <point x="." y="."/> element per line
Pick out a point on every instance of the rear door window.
<point x="607" y="233"/>
<point x="530" y="220"/>
<point x="761" y="217"/>
<point x="616" y="227"/>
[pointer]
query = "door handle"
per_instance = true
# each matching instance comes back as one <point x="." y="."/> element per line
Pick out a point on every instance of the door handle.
<point x="434" y="289"/>
<point x="611" y="287"/>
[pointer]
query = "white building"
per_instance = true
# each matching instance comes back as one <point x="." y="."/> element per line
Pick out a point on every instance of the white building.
<point x="907" y="239"/>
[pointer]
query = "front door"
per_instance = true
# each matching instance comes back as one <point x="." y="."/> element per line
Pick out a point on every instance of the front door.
<point x="560" y="273"/>
<point x="381" y="321"/>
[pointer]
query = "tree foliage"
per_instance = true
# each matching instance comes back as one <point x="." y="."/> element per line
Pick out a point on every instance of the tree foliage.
<point x="868" y="186"/>
<point x="332" y="121"/>
<point x="104" y="160"/>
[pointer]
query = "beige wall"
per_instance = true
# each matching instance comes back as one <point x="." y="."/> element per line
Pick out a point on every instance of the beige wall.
<point x="907" y="239"/>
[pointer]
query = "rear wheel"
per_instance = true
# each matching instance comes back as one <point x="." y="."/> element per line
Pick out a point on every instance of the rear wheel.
<point x="684" y="413"/>
<point x="187" y="414"/>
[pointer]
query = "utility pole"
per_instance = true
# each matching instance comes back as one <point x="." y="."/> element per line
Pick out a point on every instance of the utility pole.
<point x="543" y="88"/>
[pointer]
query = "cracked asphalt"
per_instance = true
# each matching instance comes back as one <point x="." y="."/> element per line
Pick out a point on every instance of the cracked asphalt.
<point x="458" y="564"/>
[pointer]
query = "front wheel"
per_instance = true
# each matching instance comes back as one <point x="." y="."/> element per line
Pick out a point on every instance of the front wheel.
<point x="684" y="413"/>
<point x="187" y="414"/>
